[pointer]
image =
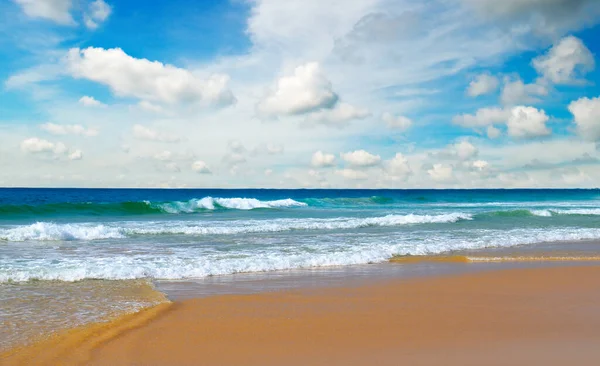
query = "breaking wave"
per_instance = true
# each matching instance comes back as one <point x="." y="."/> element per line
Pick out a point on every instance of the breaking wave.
<point x="44" y="231"/>
<point x="144" y="207"/>
<point x="197" y="263"/>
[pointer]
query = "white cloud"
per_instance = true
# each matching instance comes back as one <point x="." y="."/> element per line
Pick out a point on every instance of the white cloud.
<point x="307" y="90"/>
<point x="352" y="174"/>
<point x="516" y="92"/>
<point x="79" y="130"/>
<point x="147" y="80"/>
<point x="460" y="151"/>
<point x="441" y="173"/>
<point x="482" y="118"/>
<point x="361" y="158"/>
<point x="201" y="167"/>
<point x="339" y="115"/>
<point x="58" y="11"/>
<point x="586" y="115"/>
<point x="322" y="160"/>
<point x="145" y="133"/>
<point x="264" y="149"/>
<point x="464" y="150"/>
<point x="566" y="62"/>
<point x="550" y="17"/>
<point x="35" y="145"/>
<point x="90" y="102"/>
<point x="150" y="107"/>
<point x="493" y="132"/>
<point x="98" y="13"/>
<point x="398" y="122"/>
<point x="76" y="155"/>
<point x="33" y="75"/>
<point x="526" y="122"/>
<point x="480" y="165"/>
<point x="398" y="168"/>
<point x="482" y="84"/>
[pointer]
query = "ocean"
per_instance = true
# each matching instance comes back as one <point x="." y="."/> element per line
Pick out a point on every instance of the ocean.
<point x="69" y="257"/>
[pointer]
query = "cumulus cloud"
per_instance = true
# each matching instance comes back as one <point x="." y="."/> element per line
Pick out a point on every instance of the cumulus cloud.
<point x="88" y="101"/>
<point x="398" y="168"/>
<point x="441" y="173"/>
<point x="482" y="84"/>
<point x="201" y="167"/>
<point x="322" y="160"/>
<point x="76" y="155"/>
<point x="307" y="90"/>
<point x="98" y="13"/>
<point x="516" y="92"/>
<point x="35" y="145"/>
<point x="352" y="174"/>
<point x="361" y="158"/>
<point x="339" y="115"/>
<point x="464" y="150"/>
<point x="482" y="118"/>
<point x="398" y="122"/>
<point x="79" y="130"/>
<point x="586" y="115"/>
<point x="148" y="80"/>
<point x="566" y="62"/>
<point x="58" y="11"/>
<point x="145" y="133"/>
<point x="527" y="122"/>
<point x="480" y="165"/>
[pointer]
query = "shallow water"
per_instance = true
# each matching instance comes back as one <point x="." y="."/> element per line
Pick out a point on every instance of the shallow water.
<point x="35" y="309"/>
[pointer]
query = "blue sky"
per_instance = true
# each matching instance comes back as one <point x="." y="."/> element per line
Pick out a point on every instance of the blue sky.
<point x="265" y="93"/>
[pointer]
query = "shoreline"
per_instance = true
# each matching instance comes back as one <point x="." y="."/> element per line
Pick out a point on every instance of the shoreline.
<point x="417" y="319"/>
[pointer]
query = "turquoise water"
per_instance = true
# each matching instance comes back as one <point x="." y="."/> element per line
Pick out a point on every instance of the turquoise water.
<point x="73" y="256"/>
<point x="77" y="234"/>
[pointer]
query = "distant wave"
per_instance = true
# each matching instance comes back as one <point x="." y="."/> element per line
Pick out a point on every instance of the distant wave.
<point x="580" y="212"/>
<point x="44" y="231"/>
<point x="145" y="207"/>
<point x="210" y="203"/>
<point x="349" y="201"/>
<point x="540" y="212"/>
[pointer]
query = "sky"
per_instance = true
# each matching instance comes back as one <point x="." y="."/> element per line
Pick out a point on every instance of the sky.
<point x="300" y="93"/>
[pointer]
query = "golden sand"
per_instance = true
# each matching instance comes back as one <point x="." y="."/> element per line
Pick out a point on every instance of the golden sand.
<point x="74" y="346"/>
<point x="548" y="316"/>
<point x="493" y="259"/>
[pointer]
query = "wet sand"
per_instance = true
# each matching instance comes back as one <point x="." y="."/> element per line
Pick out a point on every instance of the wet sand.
<point x="532" y="316"/>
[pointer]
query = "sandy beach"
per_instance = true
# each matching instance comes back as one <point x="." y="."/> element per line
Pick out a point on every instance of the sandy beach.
<point x="529" y="316"/>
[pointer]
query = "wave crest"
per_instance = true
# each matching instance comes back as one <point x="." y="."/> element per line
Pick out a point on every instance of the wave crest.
<point x="210" y="203"/>
<point x="43" y="231"/>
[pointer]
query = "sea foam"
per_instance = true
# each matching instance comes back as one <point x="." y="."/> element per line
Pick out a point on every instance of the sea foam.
<point x="197" y="263"/>
<point x="43" y="231"/>
<point x="210" y="203"/>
